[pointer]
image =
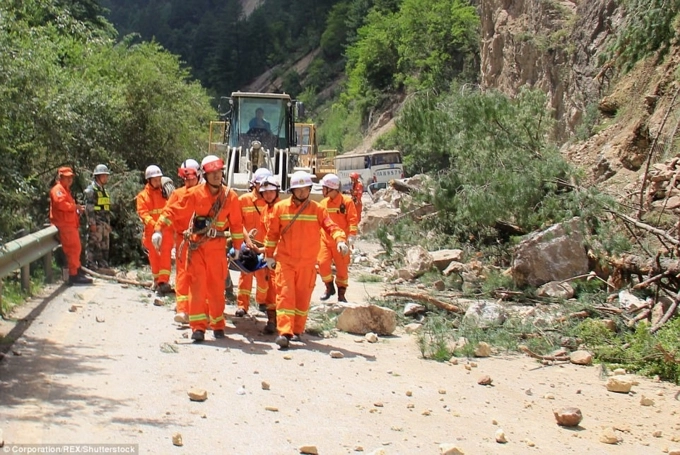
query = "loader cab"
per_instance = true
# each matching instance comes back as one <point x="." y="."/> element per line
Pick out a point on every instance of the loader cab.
<point x="259" y="131"/>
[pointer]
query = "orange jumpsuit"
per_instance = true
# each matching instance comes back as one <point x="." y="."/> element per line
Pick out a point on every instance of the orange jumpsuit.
<point x="296" y="252"/>
<point x="346" y="218"/>
<point x="252" y="206"/>
<point x="64" y="215"/>
<point x="270" y="298"/>
<point x="357" y="192"/>
<point x="181" y="279"/>
<point x="206" y="256"/>
<point x="150" y="203"/>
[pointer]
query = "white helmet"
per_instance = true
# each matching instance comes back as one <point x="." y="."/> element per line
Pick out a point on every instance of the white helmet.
<point x="152" y="171"/>
<point x="101" y="169"/>
<point x="259" y="175"/>
<point x="212" y="163"/>
<point x="270" y="183"/>
<point x="300" y="179"/>
<point x="189" y="168"/>
<point x="331" y="181"/>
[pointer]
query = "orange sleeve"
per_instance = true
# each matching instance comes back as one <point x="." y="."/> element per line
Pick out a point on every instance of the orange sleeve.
<point x="235" y="219"/>
<point x="329" y="225"/>
<point x="181" y="208"/>
<point x="352" y="218"/>
<point x="273" y="227"/>
<point x="144" y="207"/>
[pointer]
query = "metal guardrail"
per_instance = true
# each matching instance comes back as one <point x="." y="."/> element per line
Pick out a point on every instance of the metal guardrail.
<point x="19" y="253"/>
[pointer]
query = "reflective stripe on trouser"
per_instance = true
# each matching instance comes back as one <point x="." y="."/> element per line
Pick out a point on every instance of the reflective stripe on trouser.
<point x="181" y="281"/>
<point x="70" y="245"/>
<point x="245" y="288"/>
<point x="160" y="262"/>
<point x="328" y="253"/>
<point x="295" y="285"/>
<point x="207" y="272"/>
<point x="270" y="300"/>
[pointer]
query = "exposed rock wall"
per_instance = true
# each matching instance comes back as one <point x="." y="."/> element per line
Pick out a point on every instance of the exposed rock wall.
<point x="548" y="44"/>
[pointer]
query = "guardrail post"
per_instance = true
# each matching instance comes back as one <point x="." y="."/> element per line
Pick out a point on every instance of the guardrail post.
<point x="26" y="278"/>
<point x="47" y="264"/>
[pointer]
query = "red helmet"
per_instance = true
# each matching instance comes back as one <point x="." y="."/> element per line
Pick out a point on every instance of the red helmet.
<point x="212" y="163"/>
<point x="354" y="176"/>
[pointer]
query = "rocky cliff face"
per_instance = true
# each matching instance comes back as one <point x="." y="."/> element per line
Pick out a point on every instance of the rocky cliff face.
<point x="548" y="44"/>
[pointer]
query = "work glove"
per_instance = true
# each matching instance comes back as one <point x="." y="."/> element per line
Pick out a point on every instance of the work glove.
<point x="271" y="263"/>
<point x="343" y="248"/>
<point x="351" y="239"/>
<point x="156" y="240"/>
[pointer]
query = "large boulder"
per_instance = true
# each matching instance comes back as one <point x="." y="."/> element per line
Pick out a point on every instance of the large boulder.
<point x="418" y="261"/>
<point x="442" y="258"/>
<point x="364" y="318"/>
<point x="556" y="254"/>
<point x="375" y="217"/>
<point x="484" y="313"/>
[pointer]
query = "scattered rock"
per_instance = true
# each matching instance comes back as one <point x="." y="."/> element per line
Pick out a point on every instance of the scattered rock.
<point x="483" y="349"/>
<point x="619" y="372"/>
<point x="99" y="319"/>
<point x="371" y="337"/>
<point x="630" y="302"/>
<point x="485" y="380"/>
<point x="364" y="318"/>
<point x="619" y="384"/>
<point x="73" y="308"/>
<point x="309" y="450"/>
<point x="418" y="261"/>
<point x="158" y="302"/>
<point x="177" y="440"/>
<point x="439" y="285"/>
<point x="168" y="348"/>
<point x="450" y="449"/>
<point x="549" y="396"/>
<point x="644" y="401"/>
<point x="581" y="358"/>
<point x="337" y="355"/>
<point x="485" y="313"/>
<point x="609" y="436"/>
<point x="657" y="433"/>
<point x="411" y="309"/>
<point x="453" y="361"/>
<point x="442" y="392"/>
<point x="288" y="357"/>
<point x="454" y="267"/>
<point x="378" y="452"/>
<point x="265" y="385"/>
<point x="500" y="436"/>
<point x="443" y="258"/>
<point x="530" y="443"/>
<point x="198" y="394"/>
<point x="241" y="391"/>
<point x="568" y="417"/>
<point x="409" y="393"/>
<point x="556" y="289"/>
<point x="413" y="327"/>
<point x="271" y="408"/>
<point x="378" y="404"/>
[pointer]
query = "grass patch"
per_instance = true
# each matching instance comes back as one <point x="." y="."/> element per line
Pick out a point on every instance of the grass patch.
<point x="369" y="278"/>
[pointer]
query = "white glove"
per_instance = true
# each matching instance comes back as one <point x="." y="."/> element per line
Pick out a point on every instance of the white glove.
<point x="157" y="239"/>
<point x="343" y="248"/>
<point x="271" y="263"/>
<point x="351" y="239"/>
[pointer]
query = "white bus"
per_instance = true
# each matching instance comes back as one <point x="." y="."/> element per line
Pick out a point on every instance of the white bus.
<point x="373" y="167"/>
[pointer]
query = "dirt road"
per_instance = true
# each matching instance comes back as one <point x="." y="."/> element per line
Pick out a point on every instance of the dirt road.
<point x="108" y="372"/>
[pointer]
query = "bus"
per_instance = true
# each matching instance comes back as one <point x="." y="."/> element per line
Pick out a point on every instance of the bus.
<point x="373" y="167"/>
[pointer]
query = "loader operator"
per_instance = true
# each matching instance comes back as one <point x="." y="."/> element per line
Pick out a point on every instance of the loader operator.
<point x="259" y="123"/>
<point x="292" y="246"/>
<point x="214" y="211"/>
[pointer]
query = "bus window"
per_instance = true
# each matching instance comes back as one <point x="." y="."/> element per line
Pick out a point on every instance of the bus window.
<point x="386" y="158"/>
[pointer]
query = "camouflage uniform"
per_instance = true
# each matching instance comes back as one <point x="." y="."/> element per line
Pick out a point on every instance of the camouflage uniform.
<point x="97" y="206"/>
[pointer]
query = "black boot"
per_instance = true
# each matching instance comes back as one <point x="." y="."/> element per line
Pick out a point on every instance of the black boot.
<point x="341" y="294"/>
<point x="198" y="336"/>
<point x="270" y="327"/>
<point x="330" y="290"/>
<point x="79" y="279"/>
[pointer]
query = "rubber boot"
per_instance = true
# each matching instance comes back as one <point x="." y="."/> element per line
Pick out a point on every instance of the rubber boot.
<point x="341" y="294"/>
<point x="270" y="327"/>
<point x="198" y="336"/>
<point x="330" y="290"/>
<point x="79" y="279"/>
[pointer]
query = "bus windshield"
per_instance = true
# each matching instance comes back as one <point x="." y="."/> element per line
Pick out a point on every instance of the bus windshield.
<point x="382" y="159"/>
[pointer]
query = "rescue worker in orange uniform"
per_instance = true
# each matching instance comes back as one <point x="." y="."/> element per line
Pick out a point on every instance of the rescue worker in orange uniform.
<point x="269" y="189"/>
<point x="214" y="211"/>
<point x="342" y="211"/>
<point x="188" y="172"/>
<point x="252" y="205"/>
<point x="65" y="216"/>
<point x="150" y="203"/>
<point x="292" y="246"/>
<point x="357" y="193"/>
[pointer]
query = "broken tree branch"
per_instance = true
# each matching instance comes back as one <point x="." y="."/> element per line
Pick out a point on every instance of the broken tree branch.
<point x="646" y="227"/>
<point x="144" y="284"/>
<point x="554" y="358"/>
<point x="426" y="298"/>
<point x="667" y="315"/>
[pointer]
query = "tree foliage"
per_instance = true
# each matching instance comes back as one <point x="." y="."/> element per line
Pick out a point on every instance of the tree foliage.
<point x="493" y="159"/>
<point x="71" y="95"/>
